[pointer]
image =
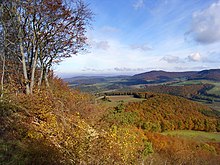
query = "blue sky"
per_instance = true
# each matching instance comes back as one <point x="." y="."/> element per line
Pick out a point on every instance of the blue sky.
<point x="133" y="36"/>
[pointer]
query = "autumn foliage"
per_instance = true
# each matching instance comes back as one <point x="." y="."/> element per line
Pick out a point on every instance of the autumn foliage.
<point x="162" y="112"/>
<point x="60" y="126"/>
<point x="63" y="126"/>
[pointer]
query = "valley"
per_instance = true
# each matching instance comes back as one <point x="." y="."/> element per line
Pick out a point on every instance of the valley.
<point x="202" y="87"/>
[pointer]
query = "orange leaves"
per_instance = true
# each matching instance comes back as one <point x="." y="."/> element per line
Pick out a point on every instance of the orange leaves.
<point x="171" y="112"/>
<point x="178" y="150"/>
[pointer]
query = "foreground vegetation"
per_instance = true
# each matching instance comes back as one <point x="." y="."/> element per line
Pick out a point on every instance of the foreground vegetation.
<point x="62" y="126"/>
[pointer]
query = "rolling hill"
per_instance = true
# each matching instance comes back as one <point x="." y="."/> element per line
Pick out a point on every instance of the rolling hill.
<point x="212" y="74"/>
<point x="151" y="77"/>
<point x="162" y="112"/>
<point x="163" y="75"/>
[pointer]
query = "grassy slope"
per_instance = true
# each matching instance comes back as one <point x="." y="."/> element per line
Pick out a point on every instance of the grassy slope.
<point x="195" y="135"/>
<point x="216" y="89"/>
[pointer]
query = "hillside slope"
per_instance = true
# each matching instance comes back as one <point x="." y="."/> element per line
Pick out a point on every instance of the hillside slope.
<point x="161" y="112"/>
<point x="62" y="126"/>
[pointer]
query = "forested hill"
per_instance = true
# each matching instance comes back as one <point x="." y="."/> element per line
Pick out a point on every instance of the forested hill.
<point x="161" y="112"/>
<point x="158" y="75"/>
<point x="212" y="74"/>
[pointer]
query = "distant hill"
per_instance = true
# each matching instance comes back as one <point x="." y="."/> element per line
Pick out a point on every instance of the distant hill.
<point x="159" y="75"/>
<point x="87" y="80"/>
<point x="212" y="74"/>
<point x="152" y="77"/>
<point x="79" y="78"/>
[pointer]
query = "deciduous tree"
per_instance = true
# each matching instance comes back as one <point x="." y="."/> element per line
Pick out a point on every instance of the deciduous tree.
<point x="46" y="33"/>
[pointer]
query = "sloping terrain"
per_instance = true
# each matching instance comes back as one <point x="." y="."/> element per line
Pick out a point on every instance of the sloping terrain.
<point x="161" y="112"/>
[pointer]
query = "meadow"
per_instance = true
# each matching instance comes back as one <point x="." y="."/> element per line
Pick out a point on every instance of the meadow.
<point x="195" y="135"/>
<point x="215" y="90"/>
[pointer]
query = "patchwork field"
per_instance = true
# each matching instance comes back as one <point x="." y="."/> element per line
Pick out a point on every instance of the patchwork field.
<point x="215" y="90"/>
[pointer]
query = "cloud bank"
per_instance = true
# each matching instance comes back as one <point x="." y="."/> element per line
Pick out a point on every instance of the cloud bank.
<point x="171" y="59"/>
<point x="143" y="47"/>
<point x="205" y="26"/>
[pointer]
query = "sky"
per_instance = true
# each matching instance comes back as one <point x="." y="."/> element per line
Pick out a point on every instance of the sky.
<point x="135" y="36"/>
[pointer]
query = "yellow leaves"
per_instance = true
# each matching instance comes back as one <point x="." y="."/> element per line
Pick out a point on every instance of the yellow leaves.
<point x="34" y="135"/>
<point x="127" y="141"/>
<point x="59" y="119"/>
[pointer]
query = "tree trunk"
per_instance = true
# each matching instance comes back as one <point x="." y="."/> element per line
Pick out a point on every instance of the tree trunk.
<point x="41" y="76"/>
<point x="3" y="74"/>
<point x="46" y="79"/>
<point x="23" y="57"/>
<point x="3" y="56"/>
<point x="25" y="70"/>
<point x="33" y="72"/>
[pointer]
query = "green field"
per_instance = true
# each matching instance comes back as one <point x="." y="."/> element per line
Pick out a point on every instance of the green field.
<point x="215" y="90"/>
<point x="195" y="135"/>
<point x="191" y="82"/>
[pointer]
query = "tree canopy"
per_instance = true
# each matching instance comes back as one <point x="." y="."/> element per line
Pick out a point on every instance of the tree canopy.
<point x="35" y="34"/>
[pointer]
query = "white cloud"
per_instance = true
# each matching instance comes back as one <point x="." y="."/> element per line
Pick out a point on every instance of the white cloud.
<point x="205" y="26"/>
<point x="118" y="57"/>
<point x="92" y="70"/>
<point x="195" y="57"/>
<point x="171" y="59"/>
<point x="138" y="4"/>
<point x="104" y="45"/>
<point x="143" y="47"/>
<point x="125" y="69"/>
